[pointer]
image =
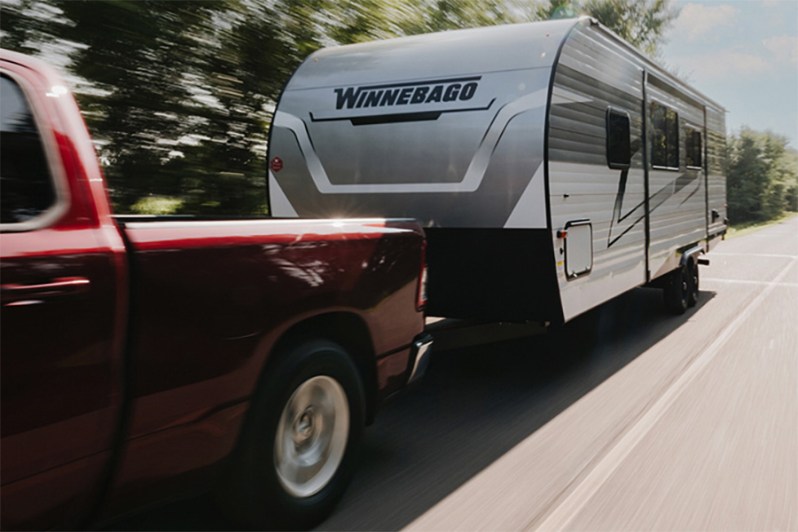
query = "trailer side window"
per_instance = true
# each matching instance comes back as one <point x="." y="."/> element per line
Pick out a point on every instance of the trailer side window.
<point x="693" y="148"/>
<point x="664" y="136"/>
<point x="619" y="151"/>
<point x="25" y="180"/>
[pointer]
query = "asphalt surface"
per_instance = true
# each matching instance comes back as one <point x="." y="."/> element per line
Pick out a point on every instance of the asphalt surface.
<point x="625" y="419"/>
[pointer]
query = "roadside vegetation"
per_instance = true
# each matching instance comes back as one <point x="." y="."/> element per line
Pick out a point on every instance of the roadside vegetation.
<point x="762" y="178"/>
<point x="743" y="229"/>
<point x="180" y="95"/>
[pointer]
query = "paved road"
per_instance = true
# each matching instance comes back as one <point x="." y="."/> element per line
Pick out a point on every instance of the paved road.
<point x="626" y="419"/>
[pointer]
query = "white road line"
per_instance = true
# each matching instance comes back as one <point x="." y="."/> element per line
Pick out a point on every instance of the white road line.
<point x="745" y="281"/>
<point x="563" y="514"/>
<point x="765" y="255"/>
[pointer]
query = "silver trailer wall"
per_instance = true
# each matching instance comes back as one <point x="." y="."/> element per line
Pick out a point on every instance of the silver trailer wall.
<point x="716" y="168"/>
<point x="499" y="141"/>
<point x="594" y="73"/>
<point x="446" y="128"/>
<point x="643" y="217"/>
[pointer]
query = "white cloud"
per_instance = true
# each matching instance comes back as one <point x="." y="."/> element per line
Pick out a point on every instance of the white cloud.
<point x="784" y="48"/>
<point x="726" y="64"/>
<point x="698" y="21"/>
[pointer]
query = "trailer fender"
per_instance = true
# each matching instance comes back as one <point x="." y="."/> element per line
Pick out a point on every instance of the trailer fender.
<point x="690" y="253"/>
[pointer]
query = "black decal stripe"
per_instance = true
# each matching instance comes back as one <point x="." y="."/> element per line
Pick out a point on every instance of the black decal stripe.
<point x="635" y="146"/>
<point x="631" y="212"/>
<point x="397" y="117"/>
<point x="665" y="193"/>
<point x="614" y="240"/>
<point x="691" y="194"/>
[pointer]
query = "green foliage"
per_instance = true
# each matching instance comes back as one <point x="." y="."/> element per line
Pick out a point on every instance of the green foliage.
<point x="157" y="205"/>
<point x="639" y="22"/>
<point x="27" y="25"/>
<point x="425" y="16"/>
<point x="762" y="179"/>
<point x="179" y="95"/>
<point x="642" y="23"/>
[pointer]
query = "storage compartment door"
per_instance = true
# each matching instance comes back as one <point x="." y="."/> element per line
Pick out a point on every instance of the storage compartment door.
<point x="578" y="248"/>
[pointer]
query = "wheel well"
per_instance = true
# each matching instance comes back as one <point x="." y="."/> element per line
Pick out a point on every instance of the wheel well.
<point x="346" y="329"/>
<point x="690" y="253"/>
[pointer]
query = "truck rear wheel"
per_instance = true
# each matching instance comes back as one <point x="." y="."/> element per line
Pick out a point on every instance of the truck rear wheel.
<point x="300" y="443"/>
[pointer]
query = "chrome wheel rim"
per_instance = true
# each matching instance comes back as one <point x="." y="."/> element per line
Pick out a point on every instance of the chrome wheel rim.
<point x="311" y="436"/>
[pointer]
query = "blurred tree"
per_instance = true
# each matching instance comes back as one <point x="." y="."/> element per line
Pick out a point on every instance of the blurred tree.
<point x="27" y="25"/>
<point x="642" y="23"/>
<point x="141" y="106"/>
<point x="425" y="16"/>
<point x="352" y="21"/>
<point x="639" y="22"/>
<point x="762" y="180"/>
<point x="556" y="9"/>
<point x="745" y="179"/>
<point x="179" y="95"/>
<point x="789" y="169"/>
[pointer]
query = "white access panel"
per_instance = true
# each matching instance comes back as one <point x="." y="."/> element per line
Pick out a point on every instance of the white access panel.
<point x="578" y="248"/>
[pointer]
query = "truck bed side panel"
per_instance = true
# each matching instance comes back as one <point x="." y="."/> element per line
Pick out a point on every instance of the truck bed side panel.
<point x="210" y="301"/>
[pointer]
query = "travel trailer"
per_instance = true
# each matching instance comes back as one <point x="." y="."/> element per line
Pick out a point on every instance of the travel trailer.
<point x="552" y="165"/>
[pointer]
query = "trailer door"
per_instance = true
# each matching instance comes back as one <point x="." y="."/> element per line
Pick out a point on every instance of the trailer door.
<point x="675" y="175"/>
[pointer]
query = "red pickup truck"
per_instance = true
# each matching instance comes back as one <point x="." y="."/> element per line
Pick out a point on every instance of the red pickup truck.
<point x="147" y="360"/>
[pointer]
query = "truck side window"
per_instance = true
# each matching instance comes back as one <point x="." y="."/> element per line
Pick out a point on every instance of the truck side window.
<point x="693" y="148"/>
<point x="664" y="137"/>
<point x="619" y="152"/>
<point x="26" y="187"/>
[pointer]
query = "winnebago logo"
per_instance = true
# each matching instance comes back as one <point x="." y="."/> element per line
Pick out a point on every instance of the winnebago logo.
<point x="421" y="92"/>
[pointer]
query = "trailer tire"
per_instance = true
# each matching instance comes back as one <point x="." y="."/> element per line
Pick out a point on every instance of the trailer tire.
<point x="692" y="295"/>
<point x="299" y="447"/>
<point x="677" y="290"/>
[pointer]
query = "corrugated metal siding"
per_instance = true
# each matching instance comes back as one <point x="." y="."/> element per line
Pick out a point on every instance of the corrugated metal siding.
<point x="716" y="164"/>
<point x="678" y="200"/>
<point x="596" y="71"/>
<point x="592" y="75"/>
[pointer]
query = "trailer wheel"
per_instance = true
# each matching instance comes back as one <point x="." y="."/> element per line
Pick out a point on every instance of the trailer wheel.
<point x="677" y="290"/>
<point x="299" y="447"/>
<point x="692" y="296"/>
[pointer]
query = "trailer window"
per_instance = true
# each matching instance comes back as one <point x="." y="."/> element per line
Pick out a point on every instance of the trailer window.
<point x="619" y="151"/>
<point x="664" y="137"/>
<point x="28" y="189"/>
<point x="693" y="148"/>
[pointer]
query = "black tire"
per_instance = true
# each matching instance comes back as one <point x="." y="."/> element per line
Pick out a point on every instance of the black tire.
<point x="677" y="290"/>
<point x="692" y="289"/>
<point x="257" y="493"/>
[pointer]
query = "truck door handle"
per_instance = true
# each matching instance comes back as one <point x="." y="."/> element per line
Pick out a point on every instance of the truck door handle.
<point x="14" y="294"/>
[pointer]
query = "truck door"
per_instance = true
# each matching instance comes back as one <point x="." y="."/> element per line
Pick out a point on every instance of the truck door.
<point x="60" y="373"/>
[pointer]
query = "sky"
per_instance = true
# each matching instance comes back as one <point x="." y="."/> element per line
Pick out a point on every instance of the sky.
<point x="742" y="54"/>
